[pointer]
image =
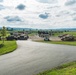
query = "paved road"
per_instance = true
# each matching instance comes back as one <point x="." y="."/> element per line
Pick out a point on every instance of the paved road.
<point x="33" y="57"/>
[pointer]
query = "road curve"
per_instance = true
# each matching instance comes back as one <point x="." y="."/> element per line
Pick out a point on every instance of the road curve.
<point x="32" y="57"/>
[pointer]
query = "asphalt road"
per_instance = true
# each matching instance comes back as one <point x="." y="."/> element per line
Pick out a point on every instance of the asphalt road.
<point x="32" y="57"/>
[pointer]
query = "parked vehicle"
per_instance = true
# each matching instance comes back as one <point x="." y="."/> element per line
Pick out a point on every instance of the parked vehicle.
<point x="46" y="39"/>
<point x="10" y="37"/>
<point x="68" y="38"/>
<point x="22" y="37"/>
<point x="60" y="36"/>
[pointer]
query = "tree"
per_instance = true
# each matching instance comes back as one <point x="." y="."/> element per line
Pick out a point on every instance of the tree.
<point x="11" y="29"/>
<point x="3" y="33"/>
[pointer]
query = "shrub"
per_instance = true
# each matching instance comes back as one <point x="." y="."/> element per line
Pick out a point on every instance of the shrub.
<point x="1" y="45"/>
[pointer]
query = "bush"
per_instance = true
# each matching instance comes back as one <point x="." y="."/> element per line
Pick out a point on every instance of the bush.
<point x="1" y="45"/>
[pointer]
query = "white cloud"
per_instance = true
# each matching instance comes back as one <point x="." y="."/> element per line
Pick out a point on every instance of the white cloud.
<point x="2" y="7"/>
<point x="71" y="4"/>
<point x="60" y="15"/>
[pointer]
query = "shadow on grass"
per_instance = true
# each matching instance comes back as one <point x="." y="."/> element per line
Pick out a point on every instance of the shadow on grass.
<point x="1" y="45"/>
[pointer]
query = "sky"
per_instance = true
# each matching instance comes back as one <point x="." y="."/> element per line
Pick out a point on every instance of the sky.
<point x="41" y="14"/>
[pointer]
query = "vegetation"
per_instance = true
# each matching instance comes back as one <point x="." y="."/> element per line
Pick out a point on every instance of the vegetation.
<point x="73" y="43"/>
<point x="3" y="33"/>
<point x="71" y="33"/>
<point x="32" y="34"/>
<point x="7" y="47"/>
<point x="65" y="69"/>
<point x="68" y="32"/>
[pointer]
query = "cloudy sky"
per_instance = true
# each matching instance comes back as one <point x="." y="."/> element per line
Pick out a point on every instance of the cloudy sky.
<point x="38" y="13"/>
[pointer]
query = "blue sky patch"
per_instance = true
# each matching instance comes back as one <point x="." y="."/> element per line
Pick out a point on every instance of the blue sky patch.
<point x="13" y="19"/>
<point x="44" y="16"/>
<point x="21" y="7"/>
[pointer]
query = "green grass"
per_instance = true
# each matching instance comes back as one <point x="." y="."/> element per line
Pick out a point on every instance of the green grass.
<point x="65" y="69"/>
<point x="9" y="46"/>
<point x="32" y="34"/>
<point x="70" y="33"/>
<point x="73" y="43"/>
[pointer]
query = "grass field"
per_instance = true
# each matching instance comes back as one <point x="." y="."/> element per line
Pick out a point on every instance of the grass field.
<point x="70" y="33"/>
<point x="32" y="34"/>
<point x="73" y="43"/>
<point x="8" y="47"/>
<point x="65" y="69"/>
